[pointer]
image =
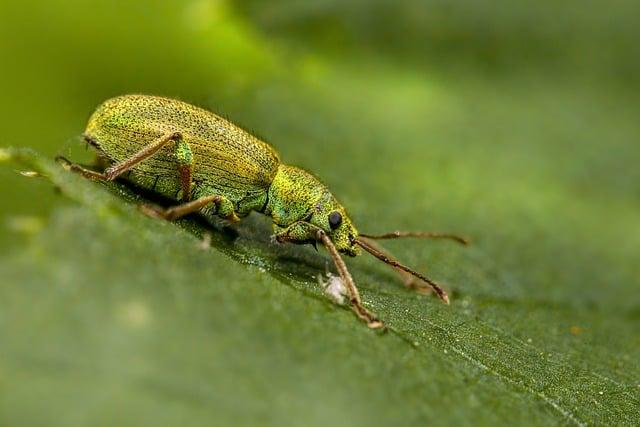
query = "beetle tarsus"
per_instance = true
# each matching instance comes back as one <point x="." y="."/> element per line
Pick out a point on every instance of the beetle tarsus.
<point x="76" y="168"/>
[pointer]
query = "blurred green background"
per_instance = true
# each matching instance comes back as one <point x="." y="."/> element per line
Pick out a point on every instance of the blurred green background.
<point x="513" y="122"/>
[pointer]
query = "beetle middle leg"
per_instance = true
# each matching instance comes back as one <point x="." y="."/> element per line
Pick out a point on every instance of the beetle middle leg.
<point x="224" y="208"/>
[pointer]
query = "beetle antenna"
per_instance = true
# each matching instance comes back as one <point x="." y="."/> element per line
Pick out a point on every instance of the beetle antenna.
<point x="384" y="258"/>
<point x="420" y="234"/>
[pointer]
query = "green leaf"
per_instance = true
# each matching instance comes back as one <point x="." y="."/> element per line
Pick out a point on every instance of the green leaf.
<point x="515" y="124"/>
<point x="112" y="317"/>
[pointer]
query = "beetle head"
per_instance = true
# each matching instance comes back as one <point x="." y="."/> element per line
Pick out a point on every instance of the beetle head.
<point x="330" y="216"/>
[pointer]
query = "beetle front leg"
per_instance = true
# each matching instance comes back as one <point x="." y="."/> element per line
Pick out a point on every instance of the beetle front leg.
<point x="303" y="232"/>
<point x="354" y="296"/>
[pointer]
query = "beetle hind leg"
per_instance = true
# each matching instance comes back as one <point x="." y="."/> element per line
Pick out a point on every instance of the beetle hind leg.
<point x="76" y="168"/>
<point x="182" y="152"/>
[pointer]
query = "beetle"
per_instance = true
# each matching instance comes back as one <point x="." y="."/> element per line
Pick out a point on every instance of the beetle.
<point x="213" y="167"/>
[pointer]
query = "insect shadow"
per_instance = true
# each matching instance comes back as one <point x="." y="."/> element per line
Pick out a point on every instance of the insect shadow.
<point x="248" y="242"/>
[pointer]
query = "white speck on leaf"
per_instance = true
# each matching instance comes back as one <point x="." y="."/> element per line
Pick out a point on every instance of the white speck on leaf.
<point x="205" y="243"/>
<point x="333" y="287"/>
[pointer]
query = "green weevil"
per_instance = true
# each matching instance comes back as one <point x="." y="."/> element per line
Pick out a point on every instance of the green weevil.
<point x="212" y="167"/>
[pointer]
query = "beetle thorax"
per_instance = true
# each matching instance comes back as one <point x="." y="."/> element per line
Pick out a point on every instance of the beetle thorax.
<point x="296" y="195"/>
<point x="292" y="195"/>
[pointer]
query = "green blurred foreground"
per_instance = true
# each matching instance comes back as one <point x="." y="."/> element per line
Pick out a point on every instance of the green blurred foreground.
<point x="515" y="124"/>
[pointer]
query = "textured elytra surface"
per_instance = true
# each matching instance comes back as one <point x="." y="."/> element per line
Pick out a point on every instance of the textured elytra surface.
<point x="227" y="160"/>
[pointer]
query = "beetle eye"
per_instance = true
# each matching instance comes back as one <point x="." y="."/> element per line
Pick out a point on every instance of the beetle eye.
<point x="335" y="219"/>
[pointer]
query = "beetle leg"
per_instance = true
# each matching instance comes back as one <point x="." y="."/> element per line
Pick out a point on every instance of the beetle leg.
<point x="183" y="155"/>
<point x="114" y="171"/>
<point x="86" y="173"/>
<point x="179" y="211"/>
<point x="185" y="167"/>
<point x="300" y="232"/>
<point x="354" y="296"/>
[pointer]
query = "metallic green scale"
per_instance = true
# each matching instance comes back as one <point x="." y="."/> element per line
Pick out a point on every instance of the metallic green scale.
<point x="225" y="161"/>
